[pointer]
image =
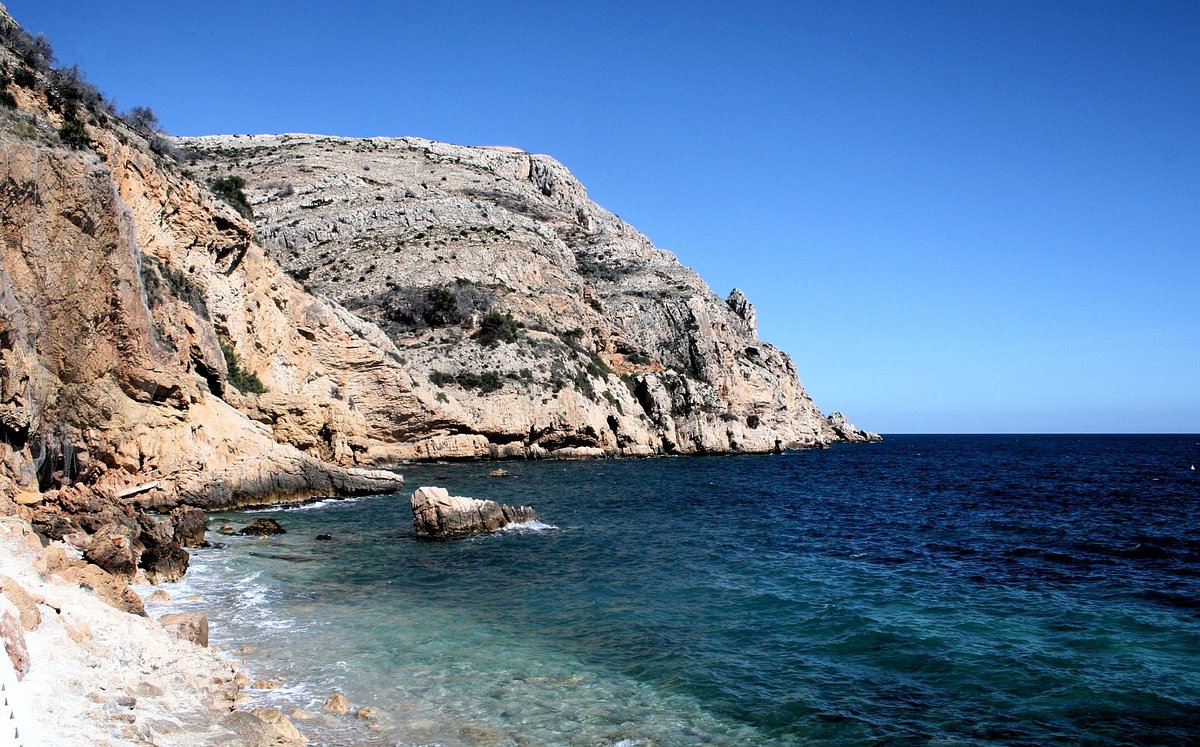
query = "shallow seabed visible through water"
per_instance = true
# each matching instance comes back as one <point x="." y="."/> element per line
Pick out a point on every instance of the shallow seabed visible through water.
<point x="929" y="590"/>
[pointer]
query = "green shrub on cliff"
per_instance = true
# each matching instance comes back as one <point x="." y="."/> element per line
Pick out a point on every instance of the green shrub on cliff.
<point x="441" y="307"/>
<point x="245" y="381"/>
<point x="6" y="97"/>
<point x="496" y="327"/>
<point x="488" y="381"/>
<point x="159" y="279"/>
<point x="229" y="189"/>
<point x="597" y="367"/>
<point x="72" y="134"/>
<point x="143" y="121"/>
<point x="24" y="77"/>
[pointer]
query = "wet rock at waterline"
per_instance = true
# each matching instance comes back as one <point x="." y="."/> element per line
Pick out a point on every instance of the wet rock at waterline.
<point x="263" y="527"/>
<point x="336" y="704"/>
<point x="439" y="515"/>
<point x="189" y="526"/>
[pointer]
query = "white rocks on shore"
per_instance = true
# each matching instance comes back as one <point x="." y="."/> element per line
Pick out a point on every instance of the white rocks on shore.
<point x="95" y="675"/>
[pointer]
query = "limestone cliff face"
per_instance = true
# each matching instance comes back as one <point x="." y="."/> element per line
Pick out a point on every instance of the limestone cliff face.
<point x="121" y="281"/>
<point x="612" y="347"/>
<point x="396" y="298"/>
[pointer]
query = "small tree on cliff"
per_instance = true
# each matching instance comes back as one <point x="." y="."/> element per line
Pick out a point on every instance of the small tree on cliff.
<point x="144" y="122"/>
<point x="142" y="119"/>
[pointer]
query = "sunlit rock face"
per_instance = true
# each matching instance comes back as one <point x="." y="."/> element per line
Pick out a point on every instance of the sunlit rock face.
<point x="439" y="515"/>
<point x="612" y="348"/>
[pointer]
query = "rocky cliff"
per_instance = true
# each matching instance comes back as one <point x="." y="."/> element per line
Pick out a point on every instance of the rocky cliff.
<point x="133" y="306"/>
<point x="391" y="299"/>
<point x="527" y="319"/>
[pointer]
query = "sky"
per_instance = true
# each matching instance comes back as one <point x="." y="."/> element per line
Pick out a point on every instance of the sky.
<point x="957" y="217"/>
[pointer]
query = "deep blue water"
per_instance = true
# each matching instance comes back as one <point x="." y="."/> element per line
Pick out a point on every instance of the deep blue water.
<point x="929" y="590"/>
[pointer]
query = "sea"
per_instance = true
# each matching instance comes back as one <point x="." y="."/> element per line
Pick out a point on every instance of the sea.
<point x="926" y="590"/>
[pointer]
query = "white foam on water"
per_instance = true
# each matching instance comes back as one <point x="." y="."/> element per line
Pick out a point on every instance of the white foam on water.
<point x="303" y="506"/>
<point x="531" y="525"/>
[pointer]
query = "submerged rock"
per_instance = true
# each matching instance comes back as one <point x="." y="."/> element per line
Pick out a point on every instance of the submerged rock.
<point x="439" y="515"/>
<point x="159" y="596"/>
<point x="336" y="704"/>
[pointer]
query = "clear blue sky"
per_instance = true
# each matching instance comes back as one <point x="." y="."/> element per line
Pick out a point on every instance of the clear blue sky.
<point x="957" y="217"/>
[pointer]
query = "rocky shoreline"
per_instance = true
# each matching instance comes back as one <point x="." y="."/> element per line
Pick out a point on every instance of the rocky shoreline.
<point x="92" y="674"/>
<point x="80" y="670"/>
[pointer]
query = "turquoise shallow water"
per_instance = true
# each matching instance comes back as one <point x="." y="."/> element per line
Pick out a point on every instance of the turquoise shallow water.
<point x="1004" y="590"/>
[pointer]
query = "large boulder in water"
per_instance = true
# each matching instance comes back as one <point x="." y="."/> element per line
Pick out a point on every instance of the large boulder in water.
<point x="263" y="527"/>
<point x="189" y="526"/>
<point x="439" y="515"/>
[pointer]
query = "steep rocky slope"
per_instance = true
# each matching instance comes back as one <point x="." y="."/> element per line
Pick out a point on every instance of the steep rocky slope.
<point x="529" y="319"/>
<point x="129" y="295"/>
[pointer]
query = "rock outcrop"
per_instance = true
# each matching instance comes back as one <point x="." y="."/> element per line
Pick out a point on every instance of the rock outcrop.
<point x="189" y="526"/>
<point x="187" y="626"/>
<point x="741" y="306"/>
<point x="439" y="515"/>
<point x="848" y="432"/>
<point x="112" y="548"/>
